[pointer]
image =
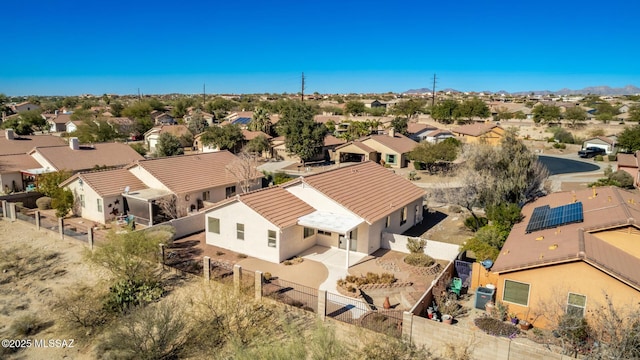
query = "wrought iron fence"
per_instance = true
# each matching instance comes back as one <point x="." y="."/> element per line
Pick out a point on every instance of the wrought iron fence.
<point x="48" y="222"/>
<point x="247" y="281"/>
<point x="292" y="294"/>
<point x="76" y="231"/>
<point x="357" y="312"/>
<point x="26" y="214"/>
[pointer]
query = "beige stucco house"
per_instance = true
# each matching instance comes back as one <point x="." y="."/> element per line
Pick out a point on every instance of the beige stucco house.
<point x="390" y="149"/>
<point x="345" y="208"/>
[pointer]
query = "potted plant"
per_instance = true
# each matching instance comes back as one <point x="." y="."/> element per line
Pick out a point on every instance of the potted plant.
<point x="447" y="319"/>
<point x="489" y="306"/>
<point x="525" y="325"/>
<point x="514" y="318"/>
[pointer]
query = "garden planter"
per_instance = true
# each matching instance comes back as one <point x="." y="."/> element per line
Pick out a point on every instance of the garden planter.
<point x="447" y="319"/>
<point x="525" y="325"/>
<point x="489" y="307"/>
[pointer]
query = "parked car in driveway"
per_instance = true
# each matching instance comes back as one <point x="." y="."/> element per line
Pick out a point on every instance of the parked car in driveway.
<point x="591" y="152"/>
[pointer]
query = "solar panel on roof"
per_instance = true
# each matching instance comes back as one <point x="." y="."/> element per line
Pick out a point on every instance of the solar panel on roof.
<point x="545" y="217"/>
<point x="242" y="121"/>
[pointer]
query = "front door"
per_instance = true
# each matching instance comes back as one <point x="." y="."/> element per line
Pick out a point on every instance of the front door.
<point x="342" y="243"/>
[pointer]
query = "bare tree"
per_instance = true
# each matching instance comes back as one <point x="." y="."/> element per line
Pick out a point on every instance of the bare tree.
<point x="245" y="171"/>
<point x="172" y="206"/>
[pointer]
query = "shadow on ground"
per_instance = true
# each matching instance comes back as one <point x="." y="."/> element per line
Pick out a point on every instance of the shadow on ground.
<point x="431" y="219"/>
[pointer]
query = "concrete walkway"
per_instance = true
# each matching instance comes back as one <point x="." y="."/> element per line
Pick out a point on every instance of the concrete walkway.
<point x="275" y="166"/>
<point x="335" y="260"/>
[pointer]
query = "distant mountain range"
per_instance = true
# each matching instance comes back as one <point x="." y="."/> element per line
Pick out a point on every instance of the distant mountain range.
<point x="595" y="90"/>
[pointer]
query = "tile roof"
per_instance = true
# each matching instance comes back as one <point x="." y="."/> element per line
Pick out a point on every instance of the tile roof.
<point x="357" y="144"/>
<point x="250" y="135"/>
<point x="476" y="129"/>
<point x="277" y="205"/>
<point x="439" y="132"/>
<point x="415" y="128"/>
<point x="366" y="189"/>
<point x="610" y="208"/>
<point x="60" y="118"/>
<point x="627" y="160"/>
<point x="109" y="182"/>
<point x="87" y="157"/>
<point x="24" y="144"/>
<point x="17" y="162"/>
<point x="331" y="140"/>
<point x="189" y="173"/>
<point x="398" y="143"/>
<point x="176" y="130"/>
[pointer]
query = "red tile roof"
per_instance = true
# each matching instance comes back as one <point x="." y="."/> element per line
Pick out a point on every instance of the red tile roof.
<point x="331" y="140"/>
<point x="250" y="135"/>
<point x="398" y="143"/>
<point x="88" y="157"/>
<point x="476" y="129"/>
<point x="24" y="144"/>
<point x="627" y="160"/>
<point x="17" y="162"/>
<point x="109" y="182"/>
<point x="190" y="173"/>
<point x="415" y="128"/>
<point x="610" y="208"/>
<point x="366" y="189"/>
<point x="277" y="205"/>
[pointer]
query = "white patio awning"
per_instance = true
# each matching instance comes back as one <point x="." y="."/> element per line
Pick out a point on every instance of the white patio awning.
<point x="38" y="171"/>
<point x="147" y="194"/>
<point x="328" y="221"/>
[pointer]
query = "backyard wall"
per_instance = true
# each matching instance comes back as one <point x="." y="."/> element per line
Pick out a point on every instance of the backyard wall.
<point x="188" y="225"/>
<point x="436" y="336"/>
<point x="420" y="308"/>
<point x="27" y="199"/>
<point x="435" y="249"/>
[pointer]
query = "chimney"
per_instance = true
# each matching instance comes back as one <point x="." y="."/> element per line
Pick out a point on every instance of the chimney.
<point x="9" y="134"/>
<point x="56" y="112"/>
<point x="74" y="144"/>
<point x="392" y="132"/>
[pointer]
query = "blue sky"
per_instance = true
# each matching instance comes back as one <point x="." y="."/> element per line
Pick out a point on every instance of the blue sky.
<point x="69" y="47"/>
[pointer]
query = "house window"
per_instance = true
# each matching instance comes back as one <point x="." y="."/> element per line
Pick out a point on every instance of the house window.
<point x="576" y="304"/>
<point x="516" y="292"/>
<point x="391" y="158"/>
<point x="325" y="233"/>
<point x="82" y="200"/>
<point x="214" y="225"/>
<point x="388" y="223"/>
<point x="403" y="216"/>
<point x="99" y="202"/>
<point x="308" y="232"/>
<point x="271" y="238"/>
<point x="230" y="191"/>
<point x="353" y="235"/>
<point x="206" y="196"/>
<point x="240" y="231"/>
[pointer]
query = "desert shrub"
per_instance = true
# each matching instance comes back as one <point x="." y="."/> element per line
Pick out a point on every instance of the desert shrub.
<point x="456" y="209"/>
<point x="418" y="165"/>
<point x="598" y="158"/>
<point x="154" y="332"/>
<point x="267" y="276"/>
<point x="369" y="278"/>
<point x="43" y="203"/>
<point x="219" y="253"/>
<point x="128" y="293"/>
<point x="575" y="331"/>
<point x="496" y="327"/>
<point x="422" y="260"/>
<point x="474" y="225"/>
<point x="81" y="308"/>
<point x="559" y="145"/>
<point x="392" y="348"/>
<point x="242" y="256"/>
<point x="416" y="245"/>
<point x="26" y="325"/>
<point x="612" y="157"/>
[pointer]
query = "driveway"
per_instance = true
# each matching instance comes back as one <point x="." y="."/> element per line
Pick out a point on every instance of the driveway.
<point x="572" y="170"/>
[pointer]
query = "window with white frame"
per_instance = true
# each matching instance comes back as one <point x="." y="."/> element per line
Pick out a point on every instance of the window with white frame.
<point x="214" y="225"/>
<point x="325" y="233"/>
<point x="240" y="231"/>
<point x="230" y="191"/>
<point x="82" y="200"/>
<point x="516" y="292"/>
<point x="403" y="216"/>
<point x="271" y="238"/>
<point x="308" y="232"/>
<point x="391" y="158"/>
<point x="576" y="304"/>
<point x="99" y="204"/>
<point x="206" y="195"/>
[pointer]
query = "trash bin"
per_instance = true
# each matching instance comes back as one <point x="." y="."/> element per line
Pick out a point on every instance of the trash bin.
<point x="483" y="296"/>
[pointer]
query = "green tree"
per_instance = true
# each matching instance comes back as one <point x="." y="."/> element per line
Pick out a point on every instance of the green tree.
<point x="605" y="112"/>
<point x="261" y="121"/>
<point x="168" y="145"/>
<point x="472" y="108"/>
<point x="400" y="125"/>
<point x="409" y="108"/>
<point x="116" y="108"/>
<point x="259" y="144"/>
<point x="226" y="137"/>
<point x="430" y="154"/>
<point x="96" y="131"/>
<point x="139" y="148"/>
<point x="198" y="124"/>
<point x="445" y="111"/>
<point x="220" y="107"/>
<point x="575" y="115"/>
<point x="62" y="201"/>
<point x="48" y="182"/>
<point x="545" y="113"/>
<point x="354" y="107"/>
<point x="520" y="115"/>
<point x="303" y="136"/>
<point x="180" y="107"/>
<point x="503" y="113"/>
<point x="634" y="113"/>
<point x="629" y="139"/>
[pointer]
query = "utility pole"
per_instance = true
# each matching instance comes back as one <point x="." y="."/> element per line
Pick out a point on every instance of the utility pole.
<point x="433" y="92"/>
<point x="204" y="96"/>
<point x="139" y="97"/>
<point x="302" y="92"/>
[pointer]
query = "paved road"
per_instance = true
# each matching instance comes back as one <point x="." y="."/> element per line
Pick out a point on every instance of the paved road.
<point x="564" y="164"/>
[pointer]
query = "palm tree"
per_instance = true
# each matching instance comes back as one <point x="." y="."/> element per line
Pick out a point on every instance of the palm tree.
<point x="261" y="121"/>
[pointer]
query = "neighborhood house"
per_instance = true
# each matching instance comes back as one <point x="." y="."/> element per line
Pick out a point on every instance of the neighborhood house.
<point x="346" y="208"/>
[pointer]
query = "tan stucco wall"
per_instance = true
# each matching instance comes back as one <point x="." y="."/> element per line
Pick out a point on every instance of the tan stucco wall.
<point x="549" y="288"/>
<point x="8" y="179"/>
<point x="627" y="239"/>
<point x="384" y="151"/>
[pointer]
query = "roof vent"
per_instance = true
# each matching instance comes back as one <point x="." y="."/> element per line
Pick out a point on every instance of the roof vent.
<point x="540" y="238"/>
<point x="553" y="247"/>
<point x="9" y="134"/>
